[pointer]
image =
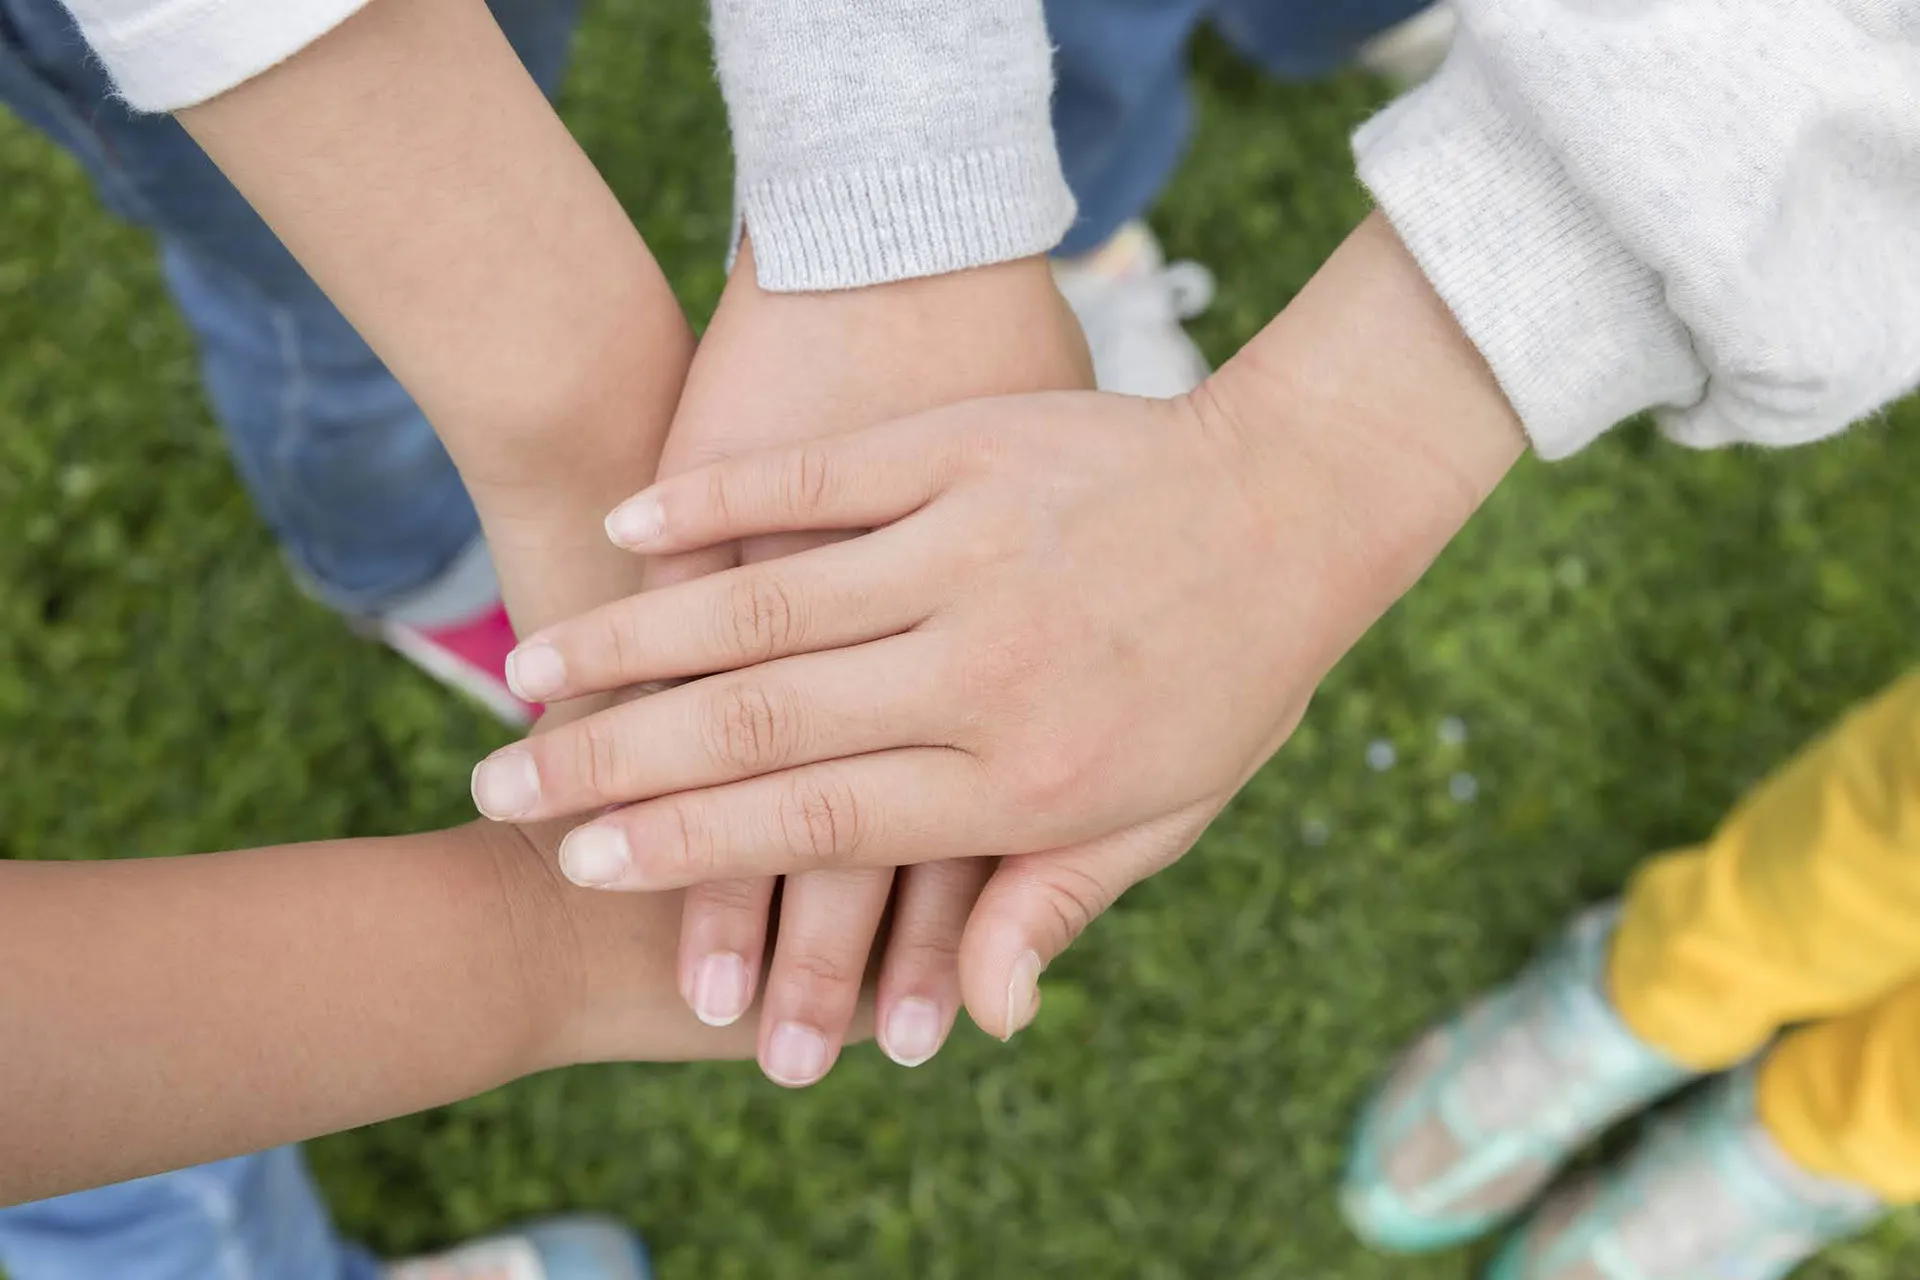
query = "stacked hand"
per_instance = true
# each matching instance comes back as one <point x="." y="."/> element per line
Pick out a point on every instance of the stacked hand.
<point x="773" y="369"/>
<point x="1079" y="624"/>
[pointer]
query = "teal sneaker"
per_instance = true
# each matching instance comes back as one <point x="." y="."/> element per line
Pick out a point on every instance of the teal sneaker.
<point x="578" y="1247"/>
<point x="1707" y="1195"/>
<point x="1483" y="1110"/>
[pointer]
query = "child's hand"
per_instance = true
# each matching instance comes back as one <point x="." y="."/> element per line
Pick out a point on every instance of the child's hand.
<point x="604" y="965"/>
<point x="773" y="369"/>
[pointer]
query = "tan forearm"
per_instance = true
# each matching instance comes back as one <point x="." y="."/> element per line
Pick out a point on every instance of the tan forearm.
<point x="415" y="170"/>
<point x="160" y="1013"/>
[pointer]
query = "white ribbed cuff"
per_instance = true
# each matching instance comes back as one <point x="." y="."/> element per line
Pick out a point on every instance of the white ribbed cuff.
<point x="184" y="53"/>
<point x="1574" y="326"/>
<point x="847" y="230"/>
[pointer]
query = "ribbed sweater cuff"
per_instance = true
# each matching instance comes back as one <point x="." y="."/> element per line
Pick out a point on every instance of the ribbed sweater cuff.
<point x="1575" y="327"/>
<point x="853" y="228"/>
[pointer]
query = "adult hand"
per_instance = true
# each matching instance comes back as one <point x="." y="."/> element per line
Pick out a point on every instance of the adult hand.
<point x="775" y="369"/>
<point x="1080" y="624"/>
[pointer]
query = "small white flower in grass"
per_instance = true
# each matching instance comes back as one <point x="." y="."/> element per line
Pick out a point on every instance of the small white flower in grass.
<point x="1463" y="787"/>
<point x="78" y="481"/>
<point x="1314" y="832"/>
<point x="1381" y="756"/>
<point x="1572" y="572"/>
<point x="1453" y="731"/>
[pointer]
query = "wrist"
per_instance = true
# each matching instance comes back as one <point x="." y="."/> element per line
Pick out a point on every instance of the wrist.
<point x="1365" y="403"/>
<point x="547" y="960"/>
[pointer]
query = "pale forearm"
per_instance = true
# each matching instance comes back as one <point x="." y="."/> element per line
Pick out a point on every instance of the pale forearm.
<point x="1364" y="402"/>
<point x="416" y="171"/>
<point x="164" y="1012"/>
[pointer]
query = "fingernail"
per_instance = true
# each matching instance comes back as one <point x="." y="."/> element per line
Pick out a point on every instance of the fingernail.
<point x="594" y="857"/>
<point x="720" y="989"/>
<point x="535" y="671"/>
<point x="636" y="522"/>
<point x="1023" y="993"/>
<point x="506" y="784"/>
<point x="912" y="1032"/>
<point x="796" y="1055"/>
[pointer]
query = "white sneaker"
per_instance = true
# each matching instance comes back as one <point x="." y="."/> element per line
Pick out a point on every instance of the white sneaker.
<point x="574" y="1247"/>
<point x="1411" y="50"/>
<point x="1131" y="301"/>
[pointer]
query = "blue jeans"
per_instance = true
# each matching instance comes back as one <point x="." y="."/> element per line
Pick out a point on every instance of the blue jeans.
<point x="367" y="506"/>
<point x="1120" y="108"/>
<point x="342" y="465"/>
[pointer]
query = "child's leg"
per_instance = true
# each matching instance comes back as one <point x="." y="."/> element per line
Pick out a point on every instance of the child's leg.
<point x="1120" y="107"/>
<point x="339" y="460"/>
<point x="1805" y="904"/>
<point x="1842" y="1097"/>
<point x="254" y="1216"/>
<point x="1121" y="114"/>
<point x="1301" y="39"/>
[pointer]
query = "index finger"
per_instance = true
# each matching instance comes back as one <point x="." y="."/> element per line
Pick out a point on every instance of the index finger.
<point x="859" y="480"/>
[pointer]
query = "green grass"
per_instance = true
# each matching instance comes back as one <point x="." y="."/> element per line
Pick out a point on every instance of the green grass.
<point x="1631" y="639"/>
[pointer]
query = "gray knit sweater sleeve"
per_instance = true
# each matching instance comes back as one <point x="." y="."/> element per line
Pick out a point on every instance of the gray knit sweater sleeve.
<point x="884" y="139"/>
<point x="1709" y="208"/>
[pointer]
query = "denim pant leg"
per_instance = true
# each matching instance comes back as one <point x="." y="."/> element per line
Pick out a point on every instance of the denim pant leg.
<point x="1301" y="39"/>
<point x="1120" y="107"/>
<point x="340" y="462"/>
<point x="254" y="1218"/>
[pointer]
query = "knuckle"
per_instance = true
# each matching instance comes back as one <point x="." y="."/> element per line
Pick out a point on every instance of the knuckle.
<point x="686" y="842"/>
<point x="602" y="760"/>
<point x="752" y="729"/>
<point x="1051" y="775"/>
<point x="982" y="448"/>
<point x="928" y="946"/>
<point x="719" y="498"/>
<point x="731" y="899"/>
<point x="618" y="644"/>
<point x="807" y="482"/>
<point x="760" y="620"/>
<point x="1075" y="898"/>
<point x="821" y="820"/>
<point x="822" y="969"/>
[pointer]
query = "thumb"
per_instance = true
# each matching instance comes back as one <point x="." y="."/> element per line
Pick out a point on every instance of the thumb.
<point x="1036" y="904"/>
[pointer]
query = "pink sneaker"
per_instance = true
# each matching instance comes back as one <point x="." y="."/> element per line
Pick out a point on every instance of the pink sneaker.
<point x="470" y="656"/>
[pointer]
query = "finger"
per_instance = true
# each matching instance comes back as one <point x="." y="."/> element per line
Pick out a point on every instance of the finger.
<point x="1036" y="904"/>
<point x="917" y="804"/>
<point x="671" y="571"/>
<point x="827" y="924"/>
<point x="775" y="546"/>
<point x="919" y="993"/>
<point x="859" y="480"/>
<point x="723" y="942"/>
<point x="792" y="712"/>
<point x="826" y="598"/>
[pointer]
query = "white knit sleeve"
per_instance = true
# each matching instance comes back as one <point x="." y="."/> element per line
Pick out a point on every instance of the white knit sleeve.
<point x="167" y="54"/>
<point x="1708" y="208"/>
<point x="878" y="140"/>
